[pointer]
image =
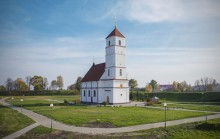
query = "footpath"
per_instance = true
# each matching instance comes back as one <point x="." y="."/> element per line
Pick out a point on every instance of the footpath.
<point x="45" y="121"/>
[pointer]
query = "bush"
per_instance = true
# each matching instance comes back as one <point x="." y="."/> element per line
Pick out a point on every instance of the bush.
<point x="105" y="103"/>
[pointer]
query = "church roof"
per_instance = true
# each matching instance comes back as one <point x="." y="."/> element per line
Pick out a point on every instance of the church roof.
<point x="115" y="32"/>
<point x="94" y="73"/>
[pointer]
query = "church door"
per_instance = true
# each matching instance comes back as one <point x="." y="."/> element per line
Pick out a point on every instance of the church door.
<point x="107" y="99"/>
<point x="91" y="99"/>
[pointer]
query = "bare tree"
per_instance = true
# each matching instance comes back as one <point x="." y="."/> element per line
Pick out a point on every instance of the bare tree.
<point x="28" y="82"/>
<point x="206" y="84"/>
<point x="9" y="84"/>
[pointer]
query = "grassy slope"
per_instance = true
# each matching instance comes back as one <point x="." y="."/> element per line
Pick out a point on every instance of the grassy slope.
<point x="12" y="121"/>
<point x="201" y="130"/>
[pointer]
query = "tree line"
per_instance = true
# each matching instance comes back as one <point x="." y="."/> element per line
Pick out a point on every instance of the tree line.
<point x="203" y="84"/>
<point x="37" y="83"/>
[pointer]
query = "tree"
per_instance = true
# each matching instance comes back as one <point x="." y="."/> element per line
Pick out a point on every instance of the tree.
<point x="37" y="82"/>
<point x="132" y="84"/>
<point x="153" y="83"/>
<point x="53" y="84"/>
<point x="174" y="86"/>
<point x="60" y="82"/>
<point x="20" y="85"/>
<point x="2" y="88"/>
<point x="45" y="83"/>
<point x="78" y="83"/>
<point x="28" y="82"/>
<point x="206" y="84"/>
<point x="148" y="88"/>
<point x="9" y="84"/>
<point x="72" y="87"/>
<point x="157" y="88"/>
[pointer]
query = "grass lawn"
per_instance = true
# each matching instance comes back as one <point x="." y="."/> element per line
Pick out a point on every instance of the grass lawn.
<point x="12" y="121"/>
<point x="201" y="130"/>
<point x="97" y="116"/>
<point x="201" y="107"/>
<point x="110" y="116"/>
<point x="40" y="100"/>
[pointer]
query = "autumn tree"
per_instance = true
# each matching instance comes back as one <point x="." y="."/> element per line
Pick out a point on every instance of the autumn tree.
<point x="174" y="86"/>
<point x="60" y="82"/>
<point x="132" y="84"/>
<point x="20" y="85"/>
<point x="148" y="88"/>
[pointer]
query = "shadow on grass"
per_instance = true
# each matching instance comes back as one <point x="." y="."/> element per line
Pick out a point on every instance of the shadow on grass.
<point x="208" y="126"/>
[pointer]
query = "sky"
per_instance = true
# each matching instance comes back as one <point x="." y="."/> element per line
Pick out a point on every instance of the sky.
<point x="166" y="40"/>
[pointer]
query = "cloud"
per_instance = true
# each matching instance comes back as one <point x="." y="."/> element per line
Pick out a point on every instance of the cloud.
<point x="149" y="11"/>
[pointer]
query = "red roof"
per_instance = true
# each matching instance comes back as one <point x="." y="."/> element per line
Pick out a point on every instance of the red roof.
<point x="94" y="73"/>
<point x="115" y="32"/>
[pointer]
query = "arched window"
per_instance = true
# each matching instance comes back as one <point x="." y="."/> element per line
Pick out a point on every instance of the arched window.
<point x="109" y="43"/>
<point x="89" y="93"/>
<point x="84" y="92"/>
<point x="108" y="72"/>
<point x="94" y="93"/>
<point x="120" y="72"/>
<point x="119" y="42"/>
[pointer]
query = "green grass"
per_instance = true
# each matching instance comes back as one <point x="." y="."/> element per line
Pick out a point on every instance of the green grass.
<point x="40" y="100"/>
<point x="201" y="130"/>
<point x="12" y="121"/>
<point x="180" y="97"/>
<point x="200" y="107"/>
<point x="97" y="116"/>
<point x="112" y="116"/>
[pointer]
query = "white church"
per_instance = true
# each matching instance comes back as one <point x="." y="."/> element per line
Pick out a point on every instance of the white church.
<point x="107" y="82"/>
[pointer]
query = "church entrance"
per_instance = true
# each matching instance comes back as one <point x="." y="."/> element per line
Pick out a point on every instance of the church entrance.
<point x="107" y="99"/>
<point x="91" y="99"/>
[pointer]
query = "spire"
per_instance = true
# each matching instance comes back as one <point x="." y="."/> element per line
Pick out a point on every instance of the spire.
<point x="115" y="32"/>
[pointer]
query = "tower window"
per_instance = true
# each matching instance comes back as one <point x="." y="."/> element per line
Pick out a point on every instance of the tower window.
<point x="89" y="93"/>
<point x="94" y="93"/>
<point x="109" y="43"/>
<point x="108" y="72"/>
<point x="84" y="93"/>
<point x="120" y="72"/>
<point x="119" y="42"/>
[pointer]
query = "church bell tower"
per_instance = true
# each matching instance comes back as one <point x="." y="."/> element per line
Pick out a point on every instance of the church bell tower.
<point x="115" y="55"/>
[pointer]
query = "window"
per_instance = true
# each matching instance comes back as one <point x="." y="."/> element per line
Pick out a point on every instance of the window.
<point x="121" y="85"/>
<point x="89" y="93"/>
<point x="94" y="93"/>
<point x="84" y="92"/>
<point x="120" y="72"/>
<point x="108" y="72"/>
<point x="108" y="43"/>
<point x="119" y="42"/>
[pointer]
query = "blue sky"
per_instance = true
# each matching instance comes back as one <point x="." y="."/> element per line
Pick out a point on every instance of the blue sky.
<point x="167" y="40"/>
